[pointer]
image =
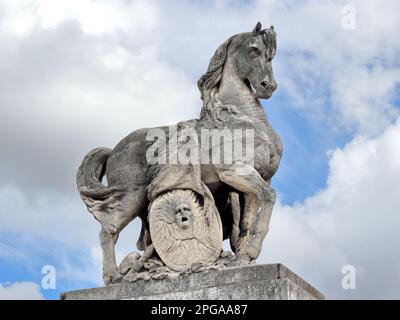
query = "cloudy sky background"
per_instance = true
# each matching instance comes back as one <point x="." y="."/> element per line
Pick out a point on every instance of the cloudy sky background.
<point x="75" y="75"/>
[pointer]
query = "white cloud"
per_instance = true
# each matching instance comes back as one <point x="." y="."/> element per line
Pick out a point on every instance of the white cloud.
<point x="48" y="215"/>
<point x="20" y="291"/>
<point x="22" y="17"/>
<point x="81" y="91"/>
<point x="366" y="96"/>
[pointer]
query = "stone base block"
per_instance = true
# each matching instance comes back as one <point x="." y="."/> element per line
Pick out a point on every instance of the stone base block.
<point x="253" y="282"/>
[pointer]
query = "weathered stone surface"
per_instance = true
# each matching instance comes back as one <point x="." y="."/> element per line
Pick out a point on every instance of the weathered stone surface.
<point x="257" y="282"/>
<point x="235" y="192"/>
<point x="182" y="233"/>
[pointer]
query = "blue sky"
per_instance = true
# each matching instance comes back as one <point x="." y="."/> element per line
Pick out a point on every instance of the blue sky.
<point x="36" y="253"/>
<point x="77" y="75"/>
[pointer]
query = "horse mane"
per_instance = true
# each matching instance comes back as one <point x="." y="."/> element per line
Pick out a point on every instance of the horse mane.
<point x="209" y="82"/>
<point x="211" y="79"/>
<point x="269" y="37"/>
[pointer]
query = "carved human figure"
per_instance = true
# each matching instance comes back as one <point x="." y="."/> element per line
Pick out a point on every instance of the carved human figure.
<point x="183" y="233"/>
<point x="184" y="217"/>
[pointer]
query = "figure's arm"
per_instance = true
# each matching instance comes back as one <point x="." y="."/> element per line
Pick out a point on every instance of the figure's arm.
<point x="144" y="258"/>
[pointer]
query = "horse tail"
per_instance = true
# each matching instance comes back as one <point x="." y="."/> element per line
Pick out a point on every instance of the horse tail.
<point x="91" y="172"/>
<point x="99" y="199"/>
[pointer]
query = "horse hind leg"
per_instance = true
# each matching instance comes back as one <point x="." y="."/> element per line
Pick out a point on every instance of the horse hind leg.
<point x="107" y="242"/>
<point x="128" y="208"/>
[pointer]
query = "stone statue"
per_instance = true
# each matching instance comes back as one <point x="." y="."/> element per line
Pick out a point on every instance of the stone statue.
<point x="187" y="209"/>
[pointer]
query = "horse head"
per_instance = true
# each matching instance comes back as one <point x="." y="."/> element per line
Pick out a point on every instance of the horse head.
<point x="251" y="55"/>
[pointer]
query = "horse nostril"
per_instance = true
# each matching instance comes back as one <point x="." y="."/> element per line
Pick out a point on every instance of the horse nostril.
<point x="265" y="84"/>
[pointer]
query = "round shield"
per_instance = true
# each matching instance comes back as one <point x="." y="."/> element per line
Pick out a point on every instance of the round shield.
<point x="182" y="232"/>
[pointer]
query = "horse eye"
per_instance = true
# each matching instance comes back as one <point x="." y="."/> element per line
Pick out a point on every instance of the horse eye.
<point x="254" y="53"/>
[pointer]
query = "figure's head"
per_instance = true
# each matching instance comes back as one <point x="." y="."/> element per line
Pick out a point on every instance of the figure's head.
<point x="252" y="54"/>
<point x="184" y="215"/>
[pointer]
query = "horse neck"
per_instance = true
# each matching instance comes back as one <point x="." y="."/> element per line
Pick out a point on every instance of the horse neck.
<point x="233" y="91"/>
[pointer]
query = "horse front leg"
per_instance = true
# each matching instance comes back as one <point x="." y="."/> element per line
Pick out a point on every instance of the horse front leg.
<point x="259" y="200"/>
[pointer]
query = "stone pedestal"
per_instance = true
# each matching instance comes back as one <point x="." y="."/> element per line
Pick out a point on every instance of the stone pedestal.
<point x="255" y="282"/>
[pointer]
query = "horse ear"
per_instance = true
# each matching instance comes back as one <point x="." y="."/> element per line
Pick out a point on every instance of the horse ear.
<point x="257" y="28"/>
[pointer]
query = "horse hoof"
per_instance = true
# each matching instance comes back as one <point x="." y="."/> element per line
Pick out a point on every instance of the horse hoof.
<point x="111" y="278"/>
<point x="241" y="259"/>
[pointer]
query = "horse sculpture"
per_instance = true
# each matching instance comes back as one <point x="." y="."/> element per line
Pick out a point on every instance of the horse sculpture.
<point x="239" y="74"/>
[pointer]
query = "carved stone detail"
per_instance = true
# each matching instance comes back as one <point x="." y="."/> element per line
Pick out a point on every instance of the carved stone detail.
<point x="183" y="233"/>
